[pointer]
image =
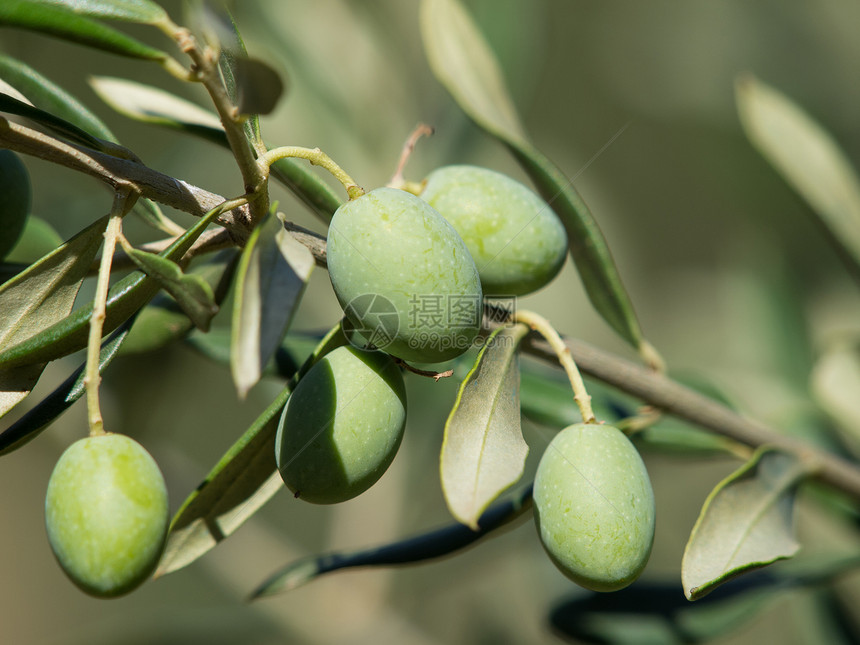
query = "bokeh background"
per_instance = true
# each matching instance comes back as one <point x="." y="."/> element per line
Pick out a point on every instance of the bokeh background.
<point x="731" y="277"/>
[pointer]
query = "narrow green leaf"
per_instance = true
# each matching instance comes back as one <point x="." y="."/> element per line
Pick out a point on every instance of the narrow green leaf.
<point x="153" y="105"/>
<point x="463" y="62"/>
<point x="15" y="199"/>
<point x="746" y="522"/>
<point x="259" y="86"/>
<point x="434" y="544"/>
<point x="61" y="23"/>
<point x="191" y="292"/>
<point x="140" y="11"/>
<point x="61" y="127"/>
<point x="124" y="299"/>
<point x="232" y="51"/>
<point x="836" y="386"/>
<point x="483" y="452"/>
<point x="588" y="247"/>
<point x="807" y="157"/>
<point x="50" y="97"/>
<point x="29" y="426"/>
<point x="37" y="298"/>
<point x="239" y="484"/>
<point x="163" y="322"/>
<point x="273" y="273"/>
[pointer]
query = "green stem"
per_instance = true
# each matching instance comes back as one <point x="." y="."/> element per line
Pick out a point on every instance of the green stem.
<point x="124" y="199"/>
<point x="317" y="158"/>
<point x="580" y="394"/>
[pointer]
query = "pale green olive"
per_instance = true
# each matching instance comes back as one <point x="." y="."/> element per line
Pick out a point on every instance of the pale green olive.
<point x="594" y="506"/>
<point x="106" y="513"/>
<point x="404" y="277"/>
<point x="517" y="241"/>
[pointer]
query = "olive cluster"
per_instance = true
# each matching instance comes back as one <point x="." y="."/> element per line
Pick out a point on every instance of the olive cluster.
<point x="470" y="233"/>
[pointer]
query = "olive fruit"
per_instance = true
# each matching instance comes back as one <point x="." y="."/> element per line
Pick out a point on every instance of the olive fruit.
<point x="404" y="276"/>
<point x="594" y="506"/>
<point x="515" y="238"/>
<point x="106" y="514"/>
<point x="342" y="426"/>
<point x="15" y="197"/>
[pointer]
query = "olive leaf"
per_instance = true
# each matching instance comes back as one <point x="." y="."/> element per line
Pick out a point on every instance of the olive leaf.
<point x="37" y="298"/>
<point x="140" y="11"/>
<point x="162" y="321"/>
<point x="52" y="98"/>
<point x="150" y="104"/>
<point x="273" y="273"/>
<point x="191" y="292"/>
<point x="746" y="522"/>
<point x="463" y="62"/>
<point x="483" y="451"/>
<point x="124" y="298"/>
<point x="437" y="543"/>
<point x="29" y="426"/>
<point x="807" y="157"/>
<point x="58" y="126"/>
<point x="259" y="86"/>
<point x="62" y="23"/>
<point x="232" y="51"/>
<point x="241" y="482"/>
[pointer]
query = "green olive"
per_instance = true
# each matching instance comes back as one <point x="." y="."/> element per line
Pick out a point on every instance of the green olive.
<point x="15" y="197"/>
<point x="404" y="277"/>
<point x="517" y="241"/>
<point x="342" y="426"/>
<point x="594" y="506"/>
<point x="106" y="513"/>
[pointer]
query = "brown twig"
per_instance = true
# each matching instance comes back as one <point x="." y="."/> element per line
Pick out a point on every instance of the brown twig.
<point x="422" y="130"/>
<point x="429" y="373"/>
<point x="205" y="68"/>
<point x="116" y="172"/>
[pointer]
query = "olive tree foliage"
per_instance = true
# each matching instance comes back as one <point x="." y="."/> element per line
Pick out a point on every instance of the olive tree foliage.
<point x="593" y="505"/>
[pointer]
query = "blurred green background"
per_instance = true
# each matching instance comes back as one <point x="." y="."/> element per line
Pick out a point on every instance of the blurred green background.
<point x="731" y="277"/>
